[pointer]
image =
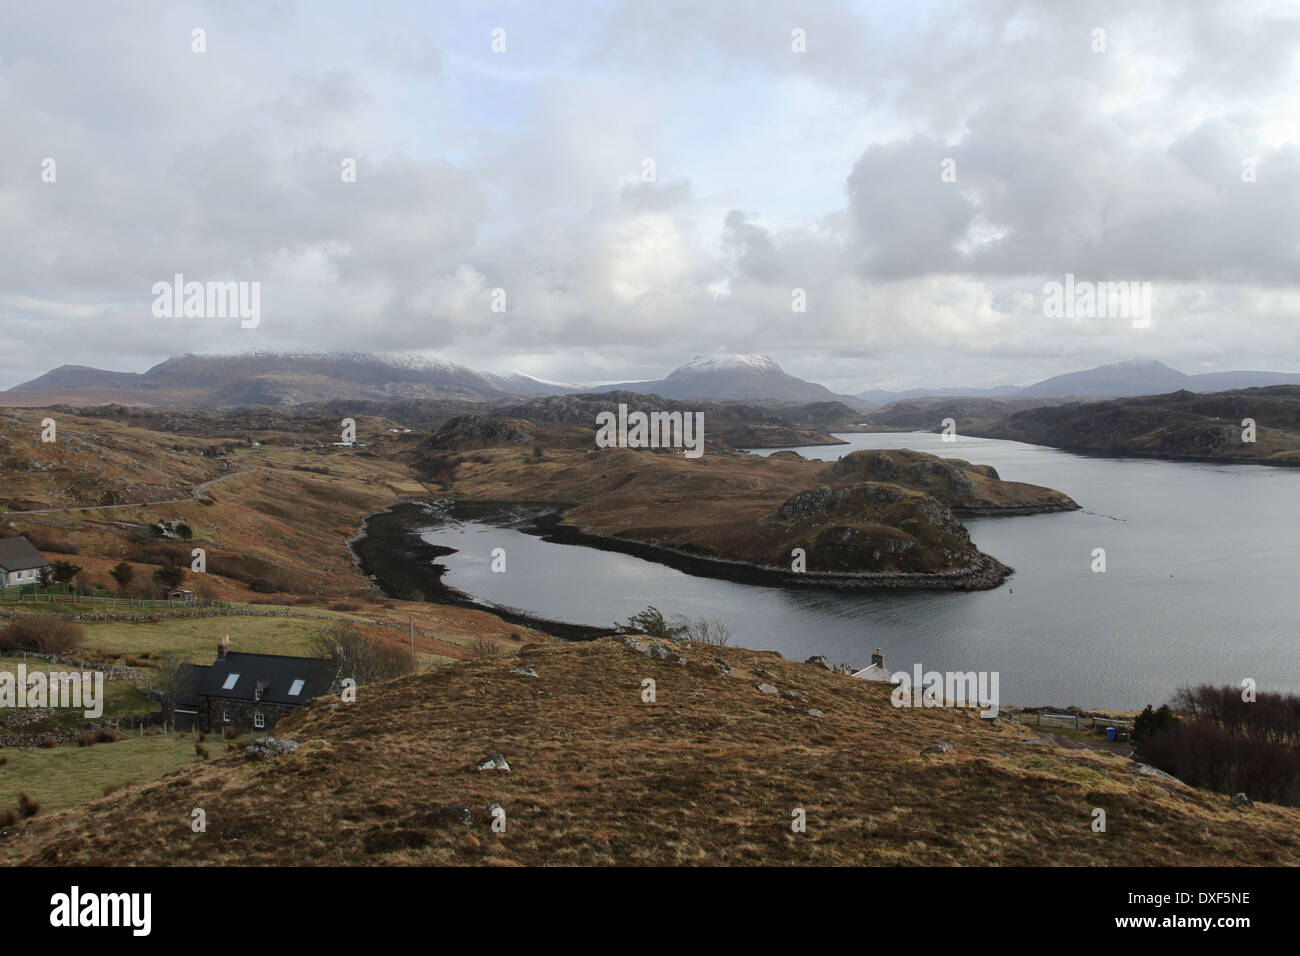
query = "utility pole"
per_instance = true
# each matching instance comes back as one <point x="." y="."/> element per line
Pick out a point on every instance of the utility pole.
<point x="411" y="618"/>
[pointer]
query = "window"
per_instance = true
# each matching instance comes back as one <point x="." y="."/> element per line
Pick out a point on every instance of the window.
<point x="296" y="689"/>
<point x="225" y="716"/>
<point x="257" y="693"/>
<point x="258" y="720"/>
<point x="231" y="681"/>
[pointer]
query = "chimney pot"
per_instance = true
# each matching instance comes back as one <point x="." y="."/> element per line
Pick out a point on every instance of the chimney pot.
<point x="222" y="647"/>
<point x="878" y="658"/>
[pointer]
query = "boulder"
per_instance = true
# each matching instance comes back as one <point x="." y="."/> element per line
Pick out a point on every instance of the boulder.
<point x="266" y="748"/>
<point x="524" y="671"/>
<point x="1147" y="770"/>
<point x="819" y="660"/>
<point x="941" y="747"/>
<point x="493" y="762"/>
<point x="766" y="689"/>
<point x="662" y="652"/>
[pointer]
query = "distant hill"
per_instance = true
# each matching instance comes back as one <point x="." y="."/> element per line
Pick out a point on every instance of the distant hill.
<point x="735" y="377"/>
<point x="291" y="378"/>
<point x="275" y="378"/>
<point x="1115" y="380"/>
<point x="738" y="424"/>
<point x="1181" y="424"/>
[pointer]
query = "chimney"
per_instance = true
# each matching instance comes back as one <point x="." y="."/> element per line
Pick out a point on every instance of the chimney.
<point x="222" y="647"/>
<point x="878" y="658"/>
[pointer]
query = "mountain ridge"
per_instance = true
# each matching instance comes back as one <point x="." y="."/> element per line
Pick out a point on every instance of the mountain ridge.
<point x="1123" y="379"/>
<point x="295" y="378"/>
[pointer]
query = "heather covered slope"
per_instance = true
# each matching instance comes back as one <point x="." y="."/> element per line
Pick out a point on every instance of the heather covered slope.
<point x="707" y="774"/>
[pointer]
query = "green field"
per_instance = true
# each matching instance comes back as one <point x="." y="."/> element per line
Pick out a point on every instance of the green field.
<point x="121" y="697"/>
<point x="68" y="775"/>
<point x="195" y="639"/>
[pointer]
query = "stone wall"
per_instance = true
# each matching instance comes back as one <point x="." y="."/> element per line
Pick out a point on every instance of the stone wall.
<point x="241" y="714"/>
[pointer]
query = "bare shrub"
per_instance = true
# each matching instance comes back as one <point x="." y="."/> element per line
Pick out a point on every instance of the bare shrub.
<point x="652" y="623"/>
<point x="358" y="656"/>
<point x="704" y="631"/>
<point x="27" y="806"/>
<point x="8" y="818"/>
<point x="41" y="634"/>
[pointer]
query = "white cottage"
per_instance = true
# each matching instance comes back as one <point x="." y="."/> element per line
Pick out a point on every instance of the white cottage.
<point x="20" y="562"/>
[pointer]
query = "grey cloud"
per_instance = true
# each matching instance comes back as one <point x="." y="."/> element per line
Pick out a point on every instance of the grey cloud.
<point x="908" y="221"/>
<point x="756" y="254"/>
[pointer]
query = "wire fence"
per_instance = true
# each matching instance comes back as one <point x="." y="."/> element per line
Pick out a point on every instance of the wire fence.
<point x="1049" y="720"/>
<point x="20" y="595"/>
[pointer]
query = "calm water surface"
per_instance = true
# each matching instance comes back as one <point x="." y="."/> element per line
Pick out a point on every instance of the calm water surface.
<point x="1201" y="583"/>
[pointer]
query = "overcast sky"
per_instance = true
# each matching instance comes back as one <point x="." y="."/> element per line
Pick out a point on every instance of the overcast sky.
<point x="525" y="170"/>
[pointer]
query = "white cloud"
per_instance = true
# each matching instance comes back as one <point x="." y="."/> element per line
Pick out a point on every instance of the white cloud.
<point x="774" y="170"/>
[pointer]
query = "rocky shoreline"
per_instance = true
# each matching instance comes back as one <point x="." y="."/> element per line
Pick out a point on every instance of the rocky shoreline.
<point x="1010" y="511"/>
<point x="391" y="550"/>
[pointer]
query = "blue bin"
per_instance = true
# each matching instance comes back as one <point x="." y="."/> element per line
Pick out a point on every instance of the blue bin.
<point x="1110" y="734"/>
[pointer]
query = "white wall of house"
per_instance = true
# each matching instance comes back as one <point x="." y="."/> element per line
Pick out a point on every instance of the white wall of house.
<point x="32" y="576"/>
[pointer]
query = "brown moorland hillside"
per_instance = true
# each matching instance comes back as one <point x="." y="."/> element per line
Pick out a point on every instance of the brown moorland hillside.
<point x="710" y="773"/>
<point x="280" y="514"/>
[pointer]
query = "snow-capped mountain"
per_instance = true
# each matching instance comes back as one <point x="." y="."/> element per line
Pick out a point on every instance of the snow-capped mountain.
<point x="717" y="363"/>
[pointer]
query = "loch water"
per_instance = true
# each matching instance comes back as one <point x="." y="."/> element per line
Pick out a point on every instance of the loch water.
<point x="1202" y="583"/>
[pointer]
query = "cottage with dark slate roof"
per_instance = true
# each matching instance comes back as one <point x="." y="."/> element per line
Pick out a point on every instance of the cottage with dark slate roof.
<point x="20" y="562"/>
<point x="247" y="692"/>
